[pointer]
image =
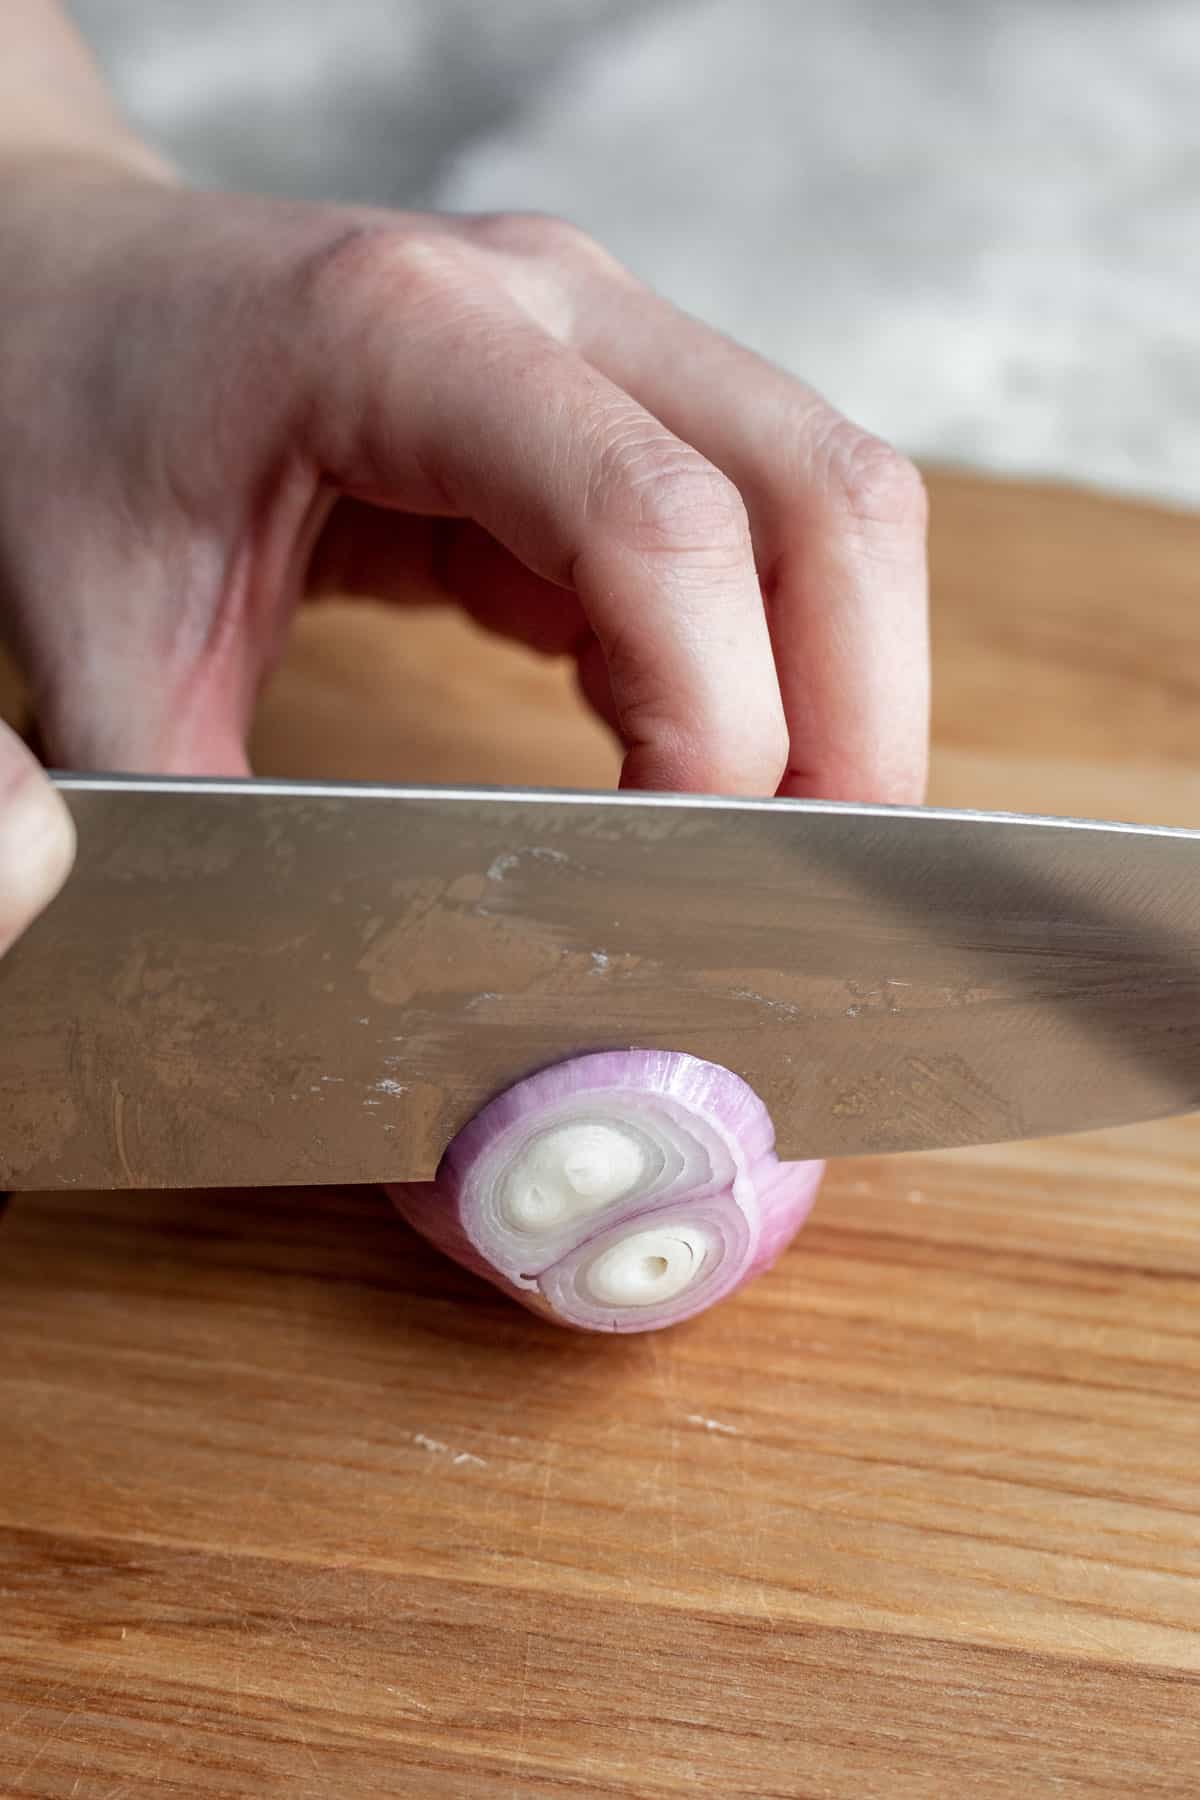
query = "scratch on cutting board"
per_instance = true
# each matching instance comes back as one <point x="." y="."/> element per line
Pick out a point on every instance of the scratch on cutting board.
<point x="786" y="1008"/>
<point x="411" y="1699"/>
<point x="118" y="1106"/>
<point x="712" y="1424"/>
<point x="461" y="1459"/>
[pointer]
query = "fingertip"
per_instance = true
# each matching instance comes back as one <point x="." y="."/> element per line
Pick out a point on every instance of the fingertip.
<point x="895" y="775"/>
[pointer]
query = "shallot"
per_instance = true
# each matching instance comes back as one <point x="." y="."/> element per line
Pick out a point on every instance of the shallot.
<point x="620" y="1191"/>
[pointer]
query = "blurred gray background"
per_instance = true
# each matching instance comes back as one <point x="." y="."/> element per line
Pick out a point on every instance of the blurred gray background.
<point x="975" y="224"/>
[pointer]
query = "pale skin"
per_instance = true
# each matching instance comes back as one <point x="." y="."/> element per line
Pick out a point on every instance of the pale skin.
<point x="211" y="406"/>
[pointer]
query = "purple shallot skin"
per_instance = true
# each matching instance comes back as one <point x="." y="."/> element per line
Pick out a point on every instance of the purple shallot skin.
<point x="620" y="1191"/>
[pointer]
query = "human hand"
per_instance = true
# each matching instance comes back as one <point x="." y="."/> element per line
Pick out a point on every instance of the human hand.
<point x="37" y="839"/>
<point x="214" y="404"/>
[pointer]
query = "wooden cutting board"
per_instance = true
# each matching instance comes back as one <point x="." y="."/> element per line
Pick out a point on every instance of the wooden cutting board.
<point x="290" y="1506"/>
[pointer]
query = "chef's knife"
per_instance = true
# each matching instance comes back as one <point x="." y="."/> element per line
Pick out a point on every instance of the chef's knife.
<point x="266" y="982"/>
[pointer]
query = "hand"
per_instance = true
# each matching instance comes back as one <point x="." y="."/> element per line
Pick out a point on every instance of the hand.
<point x="37" y="839"/>
<point x="212" y="404"/>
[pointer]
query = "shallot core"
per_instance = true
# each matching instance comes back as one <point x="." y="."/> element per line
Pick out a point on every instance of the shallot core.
<point x="570" y="1172"/>
<point x="621" y="1191"/>
<point x="647" y="1267"/>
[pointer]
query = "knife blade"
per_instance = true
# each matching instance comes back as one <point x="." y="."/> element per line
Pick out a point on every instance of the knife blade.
<point x="263" y="983"/>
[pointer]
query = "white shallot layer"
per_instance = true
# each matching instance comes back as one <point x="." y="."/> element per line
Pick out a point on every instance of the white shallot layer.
<point x="621" y="1191"/>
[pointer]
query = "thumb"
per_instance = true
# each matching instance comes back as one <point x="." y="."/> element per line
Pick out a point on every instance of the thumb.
<point x="37" y="839"/>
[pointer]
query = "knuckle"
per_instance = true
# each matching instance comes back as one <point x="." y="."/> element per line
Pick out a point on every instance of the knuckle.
<point x="543" y="236"/>
<point x="674" y="500"/>
<point x="692" y="505"/>
<point x="874" y="484"/>
<point x="353" y="271"/>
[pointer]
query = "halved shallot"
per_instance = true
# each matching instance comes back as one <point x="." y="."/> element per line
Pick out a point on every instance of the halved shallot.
<point x="621" y="1191"/>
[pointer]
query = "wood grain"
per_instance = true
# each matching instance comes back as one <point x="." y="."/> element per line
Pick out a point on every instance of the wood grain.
<point x="289" y="1506"/>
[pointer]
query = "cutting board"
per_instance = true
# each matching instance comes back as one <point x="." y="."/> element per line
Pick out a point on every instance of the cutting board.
<point x="290" y="1506"/>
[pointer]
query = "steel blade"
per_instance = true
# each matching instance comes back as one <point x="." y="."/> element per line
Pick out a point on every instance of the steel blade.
<point x="260" y="983"/>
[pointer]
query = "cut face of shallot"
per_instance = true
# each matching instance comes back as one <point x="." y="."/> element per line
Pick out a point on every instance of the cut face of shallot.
<point x="621" y="1191"/>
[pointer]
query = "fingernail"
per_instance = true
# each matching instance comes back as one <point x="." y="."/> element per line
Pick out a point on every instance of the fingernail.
<point x="37" y="848"/>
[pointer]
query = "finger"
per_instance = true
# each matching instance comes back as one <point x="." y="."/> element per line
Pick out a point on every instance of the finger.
<point x="594" y="684"/>
<point x="37" y="839"/>
<point x="487" y="417"/>
<point x="839" y="529"/>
